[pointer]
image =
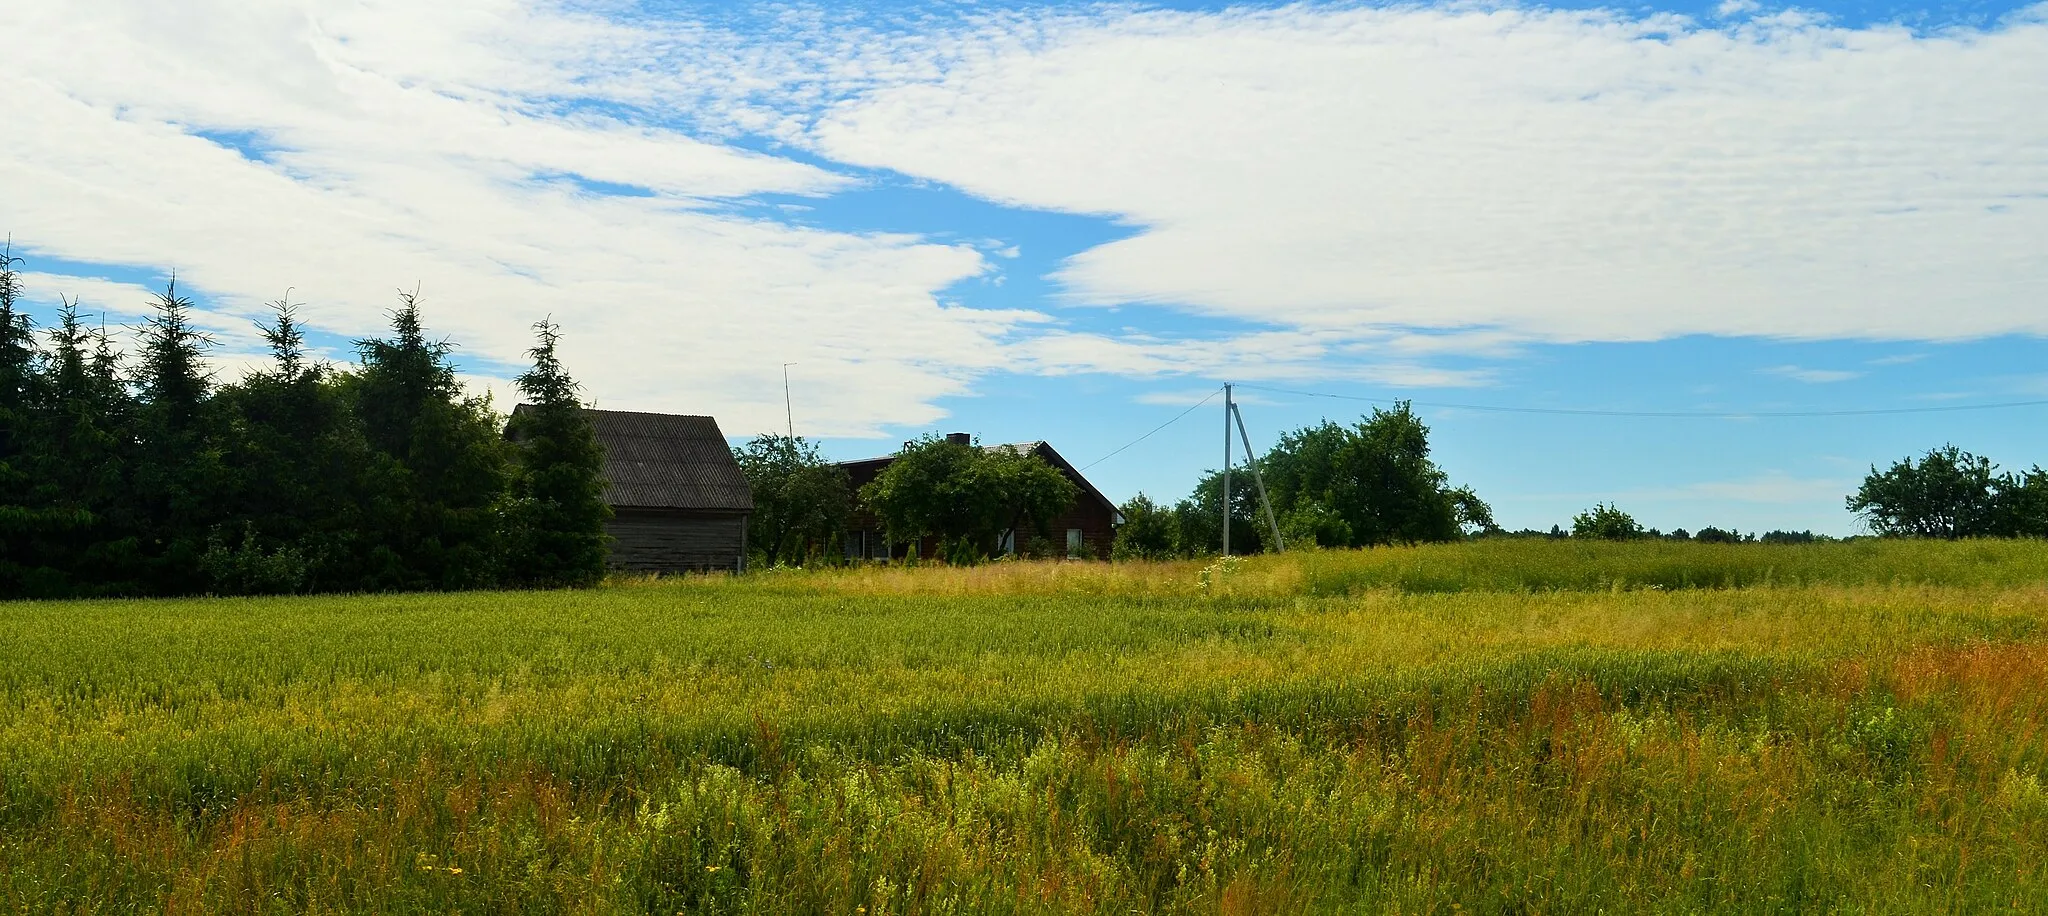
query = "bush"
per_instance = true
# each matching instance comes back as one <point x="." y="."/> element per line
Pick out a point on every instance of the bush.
<point x="1606" y="523"/>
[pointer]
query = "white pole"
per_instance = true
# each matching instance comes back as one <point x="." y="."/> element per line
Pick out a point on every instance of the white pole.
<point x="788" y="415"/>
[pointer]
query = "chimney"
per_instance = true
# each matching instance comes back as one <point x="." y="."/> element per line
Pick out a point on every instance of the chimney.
<point x="960" y="438"/>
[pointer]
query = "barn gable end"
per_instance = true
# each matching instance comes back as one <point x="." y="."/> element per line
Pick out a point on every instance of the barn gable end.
<point x="679" y="501"/>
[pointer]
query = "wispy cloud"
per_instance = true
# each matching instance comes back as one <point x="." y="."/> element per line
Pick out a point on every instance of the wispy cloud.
<point x="1190" y="397"/>
<point x="1813" y="376"/>
<point x="1767" y="488"/>
<point x="1401" y="196"/>
<point x="1559" y="175"/>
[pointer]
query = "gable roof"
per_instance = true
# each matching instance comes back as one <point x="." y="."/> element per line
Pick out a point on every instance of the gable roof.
<point x="1044" y="450"/>
<point x="868" y="467"/>
<point x="667" y="461"/>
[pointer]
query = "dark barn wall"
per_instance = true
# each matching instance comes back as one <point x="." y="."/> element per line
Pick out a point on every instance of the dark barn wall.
<point x="647" y="540"/>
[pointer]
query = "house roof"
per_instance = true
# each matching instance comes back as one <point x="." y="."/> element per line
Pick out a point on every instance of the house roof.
<point x="1039" y="447"/>
<point x="1045" y="450"/>
<point x="667" y="461"/>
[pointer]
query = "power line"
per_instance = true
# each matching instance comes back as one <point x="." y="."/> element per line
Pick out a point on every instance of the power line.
<point x="1183" y="415"/>
<point x="1664" y="414"/>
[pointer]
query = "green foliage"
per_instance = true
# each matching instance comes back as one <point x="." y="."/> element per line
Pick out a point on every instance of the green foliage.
<point x="1201" y="521"/>
<point x="145" y="477"/>
<point x="1055" y="738"/>
<point x="440" y="466"/>
<point x="1148" y="532"/>
<point x="180" y="479"/>
<point x="1948" y="494"/>
<point x="1365" y="485"/>
<point x="966" y="496"/>
<point x="558" y="513"/>
<point x="301" y="467"/>
<point x="1951" y="494"/>
<point x="2021" y="504"/>
<point x="1607" y="523"/>
<point x="801" y="501"/>
<point x="19" y="520"/>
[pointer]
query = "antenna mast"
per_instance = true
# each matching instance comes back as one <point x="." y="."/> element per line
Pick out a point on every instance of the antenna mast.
<point x="788" y="415"/>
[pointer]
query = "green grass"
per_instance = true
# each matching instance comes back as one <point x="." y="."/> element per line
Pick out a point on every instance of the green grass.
<point x="1525" y="727"/>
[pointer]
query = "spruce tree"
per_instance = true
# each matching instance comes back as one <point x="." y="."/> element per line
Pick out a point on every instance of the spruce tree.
<point x="17" y="381"/>
<point x="79" y="460"/>
<point x="440" y="463"/>
<point x="559" y="510"/>
<point x="19" y="519"/>
<point x="180" y="482"/>
<point x="299" y="464"/>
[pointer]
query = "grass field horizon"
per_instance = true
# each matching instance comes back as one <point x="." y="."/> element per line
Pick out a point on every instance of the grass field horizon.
<point x="1509" y="727"/>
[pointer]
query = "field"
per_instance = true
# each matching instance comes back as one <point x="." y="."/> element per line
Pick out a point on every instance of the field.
<point x="1529" y="727"/>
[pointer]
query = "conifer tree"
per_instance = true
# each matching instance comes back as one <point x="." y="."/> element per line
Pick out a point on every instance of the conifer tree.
<point x="17" y="377"/>
<point x="440" y="462"/>
<point x="299" y="465"/>
<point x="180" y="482"/>
<point x="558" y="490"/>
<point x="19" y="520"/>
<point x="79" y="460"/>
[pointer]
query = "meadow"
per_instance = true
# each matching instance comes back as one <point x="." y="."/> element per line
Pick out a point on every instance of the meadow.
<point x="1504" y="727"/>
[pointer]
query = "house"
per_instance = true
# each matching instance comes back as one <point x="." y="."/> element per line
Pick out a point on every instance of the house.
<point x="1085" y="529"/>
<point x="679" y="500"/>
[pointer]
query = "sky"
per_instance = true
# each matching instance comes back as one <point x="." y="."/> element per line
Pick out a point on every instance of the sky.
<point x="1075" y="222"/>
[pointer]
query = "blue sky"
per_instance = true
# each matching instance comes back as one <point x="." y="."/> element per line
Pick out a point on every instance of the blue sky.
<point x="1071" y="222"/>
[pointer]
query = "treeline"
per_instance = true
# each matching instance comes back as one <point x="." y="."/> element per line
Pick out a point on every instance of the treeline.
<point x="1947" y="494"/>
<point x="141" y="473"/>
<point x="1368" y="484"/>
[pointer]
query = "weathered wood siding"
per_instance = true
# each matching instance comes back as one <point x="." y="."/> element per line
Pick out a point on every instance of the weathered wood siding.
<point x="676" y="541"/>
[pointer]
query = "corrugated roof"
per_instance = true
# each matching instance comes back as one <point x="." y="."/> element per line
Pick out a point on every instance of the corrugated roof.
<point x="667" y="461"/>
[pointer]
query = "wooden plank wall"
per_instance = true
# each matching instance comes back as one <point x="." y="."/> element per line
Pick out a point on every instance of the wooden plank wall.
<point x="676" y="542"/>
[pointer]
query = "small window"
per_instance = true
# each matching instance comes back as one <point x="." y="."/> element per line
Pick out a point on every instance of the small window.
<point x="1009" y="545"/>
<point x="1075" y="544"/>
<point x="856" y="548"/>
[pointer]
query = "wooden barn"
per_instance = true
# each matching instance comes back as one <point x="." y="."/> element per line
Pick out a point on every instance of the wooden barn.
<point x="1085" y="530"/>
<point x="679" y="500"/>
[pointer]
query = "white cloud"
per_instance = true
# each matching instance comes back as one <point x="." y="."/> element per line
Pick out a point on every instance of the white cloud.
<point x="1189" y="397"/>
<point x="1771" y="487"/>
<point x="1386" y="189"/>
<point x="1813" y="376"/>
<point x="1774" y="487"/>
<point x="1271" y="356"/>
<point x="409" y="143"/>
<point x="1554" y="174"/>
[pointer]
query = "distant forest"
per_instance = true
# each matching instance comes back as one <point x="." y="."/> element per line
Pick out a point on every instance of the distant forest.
<point x="139" y="473"/>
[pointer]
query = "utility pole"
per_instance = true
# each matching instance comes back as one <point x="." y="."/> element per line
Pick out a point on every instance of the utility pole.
<point x="788" y="415"/>
<point x="1228" y="410"/>
<point x="1258" y="479"/>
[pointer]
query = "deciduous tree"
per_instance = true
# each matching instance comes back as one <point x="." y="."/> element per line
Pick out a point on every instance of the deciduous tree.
<point x="801" y="501"/>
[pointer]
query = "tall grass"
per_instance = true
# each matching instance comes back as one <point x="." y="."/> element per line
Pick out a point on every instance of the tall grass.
<point x="1304" y="733"/>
